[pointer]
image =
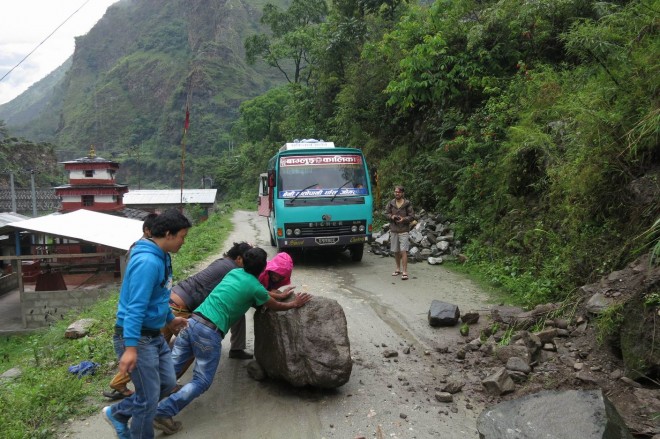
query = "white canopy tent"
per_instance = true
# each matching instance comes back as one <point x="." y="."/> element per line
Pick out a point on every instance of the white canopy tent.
<point x="86" y="225"/>
<point x="82" y="225"/>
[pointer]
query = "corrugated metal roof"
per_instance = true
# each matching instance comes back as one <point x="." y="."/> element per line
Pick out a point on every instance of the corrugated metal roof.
<point x="149" y="197"/>
<point x="90" y="160"/>
<point x="10" y="217"/>
<point x="85" y="225"/>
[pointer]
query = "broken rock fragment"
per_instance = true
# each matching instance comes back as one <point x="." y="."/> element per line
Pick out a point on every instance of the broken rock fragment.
<point x="443" y="314"/>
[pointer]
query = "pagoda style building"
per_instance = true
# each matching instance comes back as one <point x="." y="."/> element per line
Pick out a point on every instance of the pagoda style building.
<point x="91" y="185"/>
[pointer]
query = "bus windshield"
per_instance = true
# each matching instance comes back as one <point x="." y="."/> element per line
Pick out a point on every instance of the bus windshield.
<point x="322" y="176"/>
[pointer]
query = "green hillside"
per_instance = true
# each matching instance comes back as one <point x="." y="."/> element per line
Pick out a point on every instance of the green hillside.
<point x="127" y="85"/>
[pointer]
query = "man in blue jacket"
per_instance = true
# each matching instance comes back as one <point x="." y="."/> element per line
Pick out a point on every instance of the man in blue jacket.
<point x="143" y="310"/>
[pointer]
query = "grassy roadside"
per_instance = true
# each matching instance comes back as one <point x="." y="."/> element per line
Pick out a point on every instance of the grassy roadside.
<point x="497" y="294"/>
<point x="46" y="395"/>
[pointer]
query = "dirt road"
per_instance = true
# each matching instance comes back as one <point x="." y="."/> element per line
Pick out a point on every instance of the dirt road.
<point x="385" y="397"/>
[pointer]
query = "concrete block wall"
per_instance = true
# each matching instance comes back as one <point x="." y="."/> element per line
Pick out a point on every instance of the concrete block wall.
<point x="8" y="283"/>
<point x="42" y="308"/>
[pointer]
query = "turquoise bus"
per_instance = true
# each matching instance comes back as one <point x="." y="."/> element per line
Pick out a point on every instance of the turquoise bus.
<point x="317" y="195"/>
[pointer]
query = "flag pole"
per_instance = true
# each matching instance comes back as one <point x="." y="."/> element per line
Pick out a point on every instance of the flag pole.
<point x="186" y="125"/>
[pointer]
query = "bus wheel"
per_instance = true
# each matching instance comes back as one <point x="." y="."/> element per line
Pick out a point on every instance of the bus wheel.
<point x="357" y="250"/>
<point x="270" y="233"/>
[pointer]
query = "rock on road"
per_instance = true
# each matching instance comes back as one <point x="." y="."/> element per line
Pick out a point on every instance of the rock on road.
<point x="384" y="398"/>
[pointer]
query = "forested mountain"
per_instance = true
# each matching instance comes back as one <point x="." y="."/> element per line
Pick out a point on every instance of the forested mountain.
<point x="127" y="86"/>
<point x="38" y="106"/>
<point x="532" y="125"/>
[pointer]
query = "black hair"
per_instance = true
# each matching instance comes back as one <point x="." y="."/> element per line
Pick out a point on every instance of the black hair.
<point x="148" y="222"/>
<point x="238" y="249"/>
<point x="169" y="221"/>
<point x="254" y="261"/>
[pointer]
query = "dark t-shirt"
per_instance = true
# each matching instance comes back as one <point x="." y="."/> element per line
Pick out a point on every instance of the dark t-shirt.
<point x="405" y="212"/>
<point x="197" y="287"/>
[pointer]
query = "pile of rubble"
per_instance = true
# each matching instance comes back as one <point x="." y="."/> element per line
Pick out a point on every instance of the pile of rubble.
<point x="431" y="240"/>
<point x="516" y="353"/>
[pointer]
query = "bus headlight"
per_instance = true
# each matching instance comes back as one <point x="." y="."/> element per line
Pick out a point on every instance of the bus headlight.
<point x="354" y="229"/>
<point x="288" y="232"/>
<point x="361" y="228"/>
<point x="296" y="232"/>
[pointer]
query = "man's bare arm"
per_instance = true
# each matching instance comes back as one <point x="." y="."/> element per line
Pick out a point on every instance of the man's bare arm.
<point x="281" y="295"/>
<point x="299" y="300"/>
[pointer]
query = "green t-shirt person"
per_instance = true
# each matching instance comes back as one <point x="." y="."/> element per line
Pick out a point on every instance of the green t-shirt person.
<point x="232" y="298"/>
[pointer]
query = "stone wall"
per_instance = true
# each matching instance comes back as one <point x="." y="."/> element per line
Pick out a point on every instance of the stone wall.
<point x="42" y="308"/>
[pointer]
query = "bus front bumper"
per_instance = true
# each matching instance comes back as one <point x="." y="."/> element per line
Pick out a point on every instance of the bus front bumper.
<point x="322" y="241"/>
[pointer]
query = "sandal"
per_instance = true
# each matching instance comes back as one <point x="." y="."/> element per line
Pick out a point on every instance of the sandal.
<point x="396" y="273"/>
<point x="404" y="276"/>
<point x="116" y="394"/>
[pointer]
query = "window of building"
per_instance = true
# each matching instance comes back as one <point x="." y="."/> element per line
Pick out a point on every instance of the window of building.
<point x="88" y="200"/>
<point x="89" y="172"/>
<point x="87" y="248"/>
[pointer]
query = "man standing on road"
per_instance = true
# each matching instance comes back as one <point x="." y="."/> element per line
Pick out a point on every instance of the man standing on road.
<point x="142" y="311"/>
<point x="400" y="213"/>
<point x="202" y="339"/>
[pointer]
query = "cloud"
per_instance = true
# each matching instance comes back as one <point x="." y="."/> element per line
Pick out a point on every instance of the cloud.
<point x="26" y="23"/>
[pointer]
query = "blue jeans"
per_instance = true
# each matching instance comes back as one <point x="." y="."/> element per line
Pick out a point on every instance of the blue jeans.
<point x="153" y="378"/>
<point x="205" y="345"/>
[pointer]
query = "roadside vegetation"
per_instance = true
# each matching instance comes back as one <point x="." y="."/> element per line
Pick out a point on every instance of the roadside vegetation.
<point x="46" y="395"/>
<point x="532" y="126"/>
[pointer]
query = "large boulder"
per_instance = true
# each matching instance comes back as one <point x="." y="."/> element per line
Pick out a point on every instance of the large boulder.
<point x="571" y="414"/>
<point x="307" y="346"/>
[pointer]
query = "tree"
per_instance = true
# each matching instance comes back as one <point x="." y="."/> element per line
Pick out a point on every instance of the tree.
<point x="261" y="118"/>
<point x="386" y="7"/>
<point x="293" y="34"/>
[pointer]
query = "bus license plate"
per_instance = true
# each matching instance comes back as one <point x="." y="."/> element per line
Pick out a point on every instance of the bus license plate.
<point x="327" y="241"/>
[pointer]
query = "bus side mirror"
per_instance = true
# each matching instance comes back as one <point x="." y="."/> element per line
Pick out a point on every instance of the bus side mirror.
<point x="271" y="178"/>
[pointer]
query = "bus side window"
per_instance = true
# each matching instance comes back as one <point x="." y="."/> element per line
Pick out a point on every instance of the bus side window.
<point x="264" y="185"/>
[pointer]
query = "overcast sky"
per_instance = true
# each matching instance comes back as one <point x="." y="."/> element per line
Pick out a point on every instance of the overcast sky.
<point x="26" y="23"/>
